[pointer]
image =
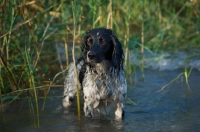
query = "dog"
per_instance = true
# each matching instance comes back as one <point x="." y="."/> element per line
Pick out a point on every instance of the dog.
<point x="100" y="72"/>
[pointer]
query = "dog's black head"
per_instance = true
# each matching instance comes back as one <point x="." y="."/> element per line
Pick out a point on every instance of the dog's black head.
<point x="101" y="44"/>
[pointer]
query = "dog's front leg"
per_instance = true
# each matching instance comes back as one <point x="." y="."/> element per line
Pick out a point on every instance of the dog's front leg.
<point x="121" y="96"/>
<point x="69" y="87"/>
<point x="119" y="113"/>
<point x="70" y="84"/>
<point x="91" y="102"/>
<point x="88" y="109"/>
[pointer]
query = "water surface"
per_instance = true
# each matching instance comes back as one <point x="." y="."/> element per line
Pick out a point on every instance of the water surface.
<point x="176" y="108"/>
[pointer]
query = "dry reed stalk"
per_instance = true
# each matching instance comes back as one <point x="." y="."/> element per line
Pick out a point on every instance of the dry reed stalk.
<point x="142" y="41"/>
<point x="110" y="16"/>
<point x="67" y="54"/>
<point x="142" y="48"/>
<point x="126" y="47"/>
<point x="74" y="60"/>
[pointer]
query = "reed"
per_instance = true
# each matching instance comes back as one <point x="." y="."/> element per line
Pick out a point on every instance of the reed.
<point x="31" y="77"/>
<point x="74" y="60"/>
<point x="186" y="74"/>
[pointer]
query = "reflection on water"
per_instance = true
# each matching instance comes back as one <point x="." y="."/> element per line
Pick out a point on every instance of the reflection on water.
<point x="176" y="108"/>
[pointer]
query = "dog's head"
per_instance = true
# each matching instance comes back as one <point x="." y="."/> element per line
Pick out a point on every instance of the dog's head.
<point x="101" y="44"/>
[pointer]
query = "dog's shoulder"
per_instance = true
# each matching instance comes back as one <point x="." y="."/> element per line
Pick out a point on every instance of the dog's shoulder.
<point x="81" y="66"/>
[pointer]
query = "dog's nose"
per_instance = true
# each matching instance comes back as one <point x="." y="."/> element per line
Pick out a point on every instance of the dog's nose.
<point x="91" y="55"/>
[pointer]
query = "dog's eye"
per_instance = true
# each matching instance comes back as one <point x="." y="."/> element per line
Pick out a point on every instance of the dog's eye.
<point x="102" y="41"/>
<point x="89" y="41"/>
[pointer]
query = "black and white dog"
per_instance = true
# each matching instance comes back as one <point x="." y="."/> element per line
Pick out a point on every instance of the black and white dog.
<point x="100" y="72"/>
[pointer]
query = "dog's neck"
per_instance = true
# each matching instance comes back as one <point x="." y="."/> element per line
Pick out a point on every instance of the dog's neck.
<point x="100" y="68"/>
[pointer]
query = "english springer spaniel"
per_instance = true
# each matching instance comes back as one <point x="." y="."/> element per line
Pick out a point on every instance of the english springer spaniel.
<point x="100" y="72"/>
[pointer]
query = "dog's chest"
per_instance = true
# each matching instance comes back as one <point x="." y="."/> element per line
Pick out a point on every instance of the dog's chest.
<point x="100" y="83"/>
<point x="105" y="86"/>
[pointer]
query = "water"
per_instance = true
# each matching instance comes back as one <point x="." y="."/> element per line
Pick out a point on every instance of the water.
<point x="176" y="108"/>
<point x="166" y="61"/>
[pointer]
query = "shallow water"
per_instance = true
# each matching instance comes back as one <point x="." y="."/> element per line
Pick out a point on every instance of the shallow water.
<point x="176" y="108"/>
<point x="166" y="60"/>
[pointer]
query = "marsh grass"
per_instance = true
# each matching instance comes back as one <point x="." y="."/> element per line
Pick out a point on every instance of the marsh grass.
<point x="30" y="30"/>
<point x="74" y="60"/>
<point x="186" y="75"/>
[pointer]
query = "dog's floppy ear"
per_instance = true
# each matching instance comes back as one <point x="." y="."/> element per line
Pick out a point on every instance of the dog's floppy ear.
<point x="118" y="55"/>
<point x="84" y="46"/>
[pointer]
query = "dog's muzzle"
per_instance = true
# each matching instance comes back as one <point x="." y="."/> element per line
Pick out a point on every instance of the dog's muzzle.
<point x="91" y="56"/>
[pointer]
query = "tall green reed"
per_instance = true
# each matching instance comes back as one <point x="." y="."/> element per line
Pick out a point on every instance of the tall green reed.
<point x="31" y="78"/>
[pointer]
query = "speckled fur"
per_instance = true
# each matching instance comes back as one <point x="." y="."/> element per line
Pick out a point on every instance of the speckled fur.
<point x="100" y="81"/>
